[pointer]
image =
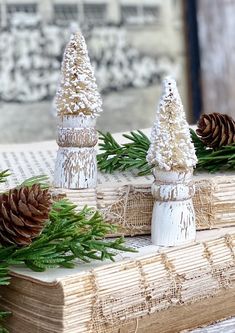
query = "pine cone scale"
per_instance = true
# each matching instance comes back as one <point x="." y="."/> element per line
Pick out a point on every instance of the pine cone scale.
<point x="16" y="219"/>
<point x="24" y="209"/>
<point x="6" y="227"/>
<point x="5" y="212"/>
<point x="42" y="207"/>
<point x="231" y="132"/>
<point x="12" y="202"/>
<point x="22" y="195"/>
<point x="216" y="130"/>
<point x="34" y="210"/>
<point x="32" y="199"/>
<point x="5" y="240"/>
<point x="23" y="214"/>
<point x="224" y="131"/>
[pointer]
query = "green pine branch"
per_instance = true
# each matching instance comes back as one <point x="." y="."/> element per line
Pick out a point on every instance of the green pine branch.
<point x="132" y="155"/>
<point x="67" y="237"/>
<point x="4" y="280"/>
<point x="41" y="180"/>
<point x="3" y="175"/>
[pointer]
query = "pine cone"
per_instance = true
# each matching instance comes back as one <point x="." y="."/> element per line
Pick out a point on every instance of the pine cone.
<point x="216" y="130"/>
<point x="23" y="212"/>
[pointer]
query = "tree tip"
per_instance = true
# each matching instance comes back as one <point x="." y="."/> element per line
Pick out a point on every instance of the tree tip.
<point x="169" y="86"/>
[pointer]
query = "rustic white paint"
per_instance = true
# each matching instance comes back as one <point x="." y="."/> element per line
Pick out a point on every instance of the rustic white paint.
<point x="76" y="166"/>
<point x="173" y="220"/>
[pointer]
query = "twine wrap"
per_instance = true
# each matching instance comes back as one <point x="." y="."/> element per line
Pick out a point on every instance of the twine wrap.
<point x="130" y="206"/>
<point x="172" y="186"/>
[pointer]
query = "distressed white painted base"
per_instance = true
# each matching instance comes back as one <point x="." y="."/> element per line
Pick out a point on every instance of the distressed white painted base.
<point x="173" y="219"/>
<point x="76" y="166"/>
<point x="173" y="223"/>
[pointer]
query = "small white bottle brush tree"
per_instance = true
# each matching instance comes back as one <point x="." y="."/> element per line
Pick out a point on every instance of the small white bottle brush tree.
<point x="173" y="157"/>
<point x="78" y="104"/>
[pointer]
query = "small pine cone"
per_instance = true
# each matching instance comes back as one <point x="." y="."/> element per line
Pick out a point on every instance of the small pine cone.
<point x="23" y="213"/>
<point x="216" y="130"/>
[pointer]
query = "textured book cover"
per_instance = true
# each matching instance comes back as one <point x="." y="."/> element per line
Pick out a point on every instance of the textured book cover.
<point x="154" y="290"/>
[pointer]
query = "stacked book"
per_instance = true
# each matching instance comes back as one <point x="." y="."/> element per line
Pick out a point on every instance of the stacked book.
<point x="155" y="290"/>
<point x="123" y="198"/>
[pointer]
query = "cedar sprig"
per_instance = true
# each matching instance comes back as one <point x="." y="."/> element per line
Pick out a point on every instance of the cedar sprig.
<point x="68" y="235"/>
<point x="42" y="180"/>
<point x="222" y="159"/>
<point x="131" y="155"/>
<point x="3" y="176"/>
<point x="4" y="280"/>
<point x="213" y="160"/>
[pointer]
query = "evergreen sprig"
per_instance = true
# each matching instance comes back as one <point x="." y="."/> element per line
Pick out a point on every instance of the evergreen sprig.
<point x="68" y="236"/>
<point x="133" y="155"/>
<point x="41" y="180"/>
<point x="4" y="271"/>
<point x="213" y="160"/>
<point x="4" y="280"/>
<point x="3" y="175"/>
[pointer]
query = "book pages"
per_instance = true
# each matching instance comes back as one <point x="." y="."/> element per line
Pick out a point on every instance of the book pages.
<point x="33" y="159"/>
<point x="153" y="289"/>
<point x="142" y="244"/>
<point x="123" y="198"/>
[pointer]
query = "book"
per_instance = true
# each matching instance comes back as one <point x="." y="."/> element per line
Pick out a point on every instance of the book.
<point x="154" y="290"/>
<point x="123" y="198"/>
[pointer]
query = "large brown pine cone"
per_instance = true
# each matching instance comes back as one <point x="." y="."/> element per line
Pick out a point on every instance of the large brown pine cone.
<point x="23" y="213"/>
<point x="216" y="130"/>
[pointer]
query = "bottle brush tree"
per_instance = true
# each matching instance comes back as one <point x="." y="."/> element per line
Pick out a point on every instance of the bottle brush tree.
<point x="78" y="104"/>
<point x="172" y="155"/>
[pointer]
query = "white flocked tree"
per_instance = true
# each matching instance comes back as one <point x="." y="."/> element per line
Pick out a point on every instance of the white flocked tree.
<point x="78" y="104"/>
<point x="173" y="157"/>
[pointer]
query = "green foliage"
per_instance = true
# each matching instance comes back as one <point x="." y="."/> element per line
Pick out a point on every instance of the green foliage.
<point x="131" y="155"/>
<point x="4" y="280"/>
<point x="41" y="180"/>
<point x="3" y="175"/>
<point x="68" y="235"/>
<point x="211" y="160"/>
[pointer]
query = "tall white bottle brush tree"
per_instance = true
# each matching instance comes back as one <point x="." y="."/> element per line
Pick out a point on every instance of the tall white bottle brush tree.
<point x="78" y="104"/>
<point x="173" y="157"/>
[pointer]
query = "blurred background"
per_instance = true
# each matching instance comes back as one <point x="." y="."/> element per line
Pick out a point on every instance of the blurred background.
<point x="132" y="44"/>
